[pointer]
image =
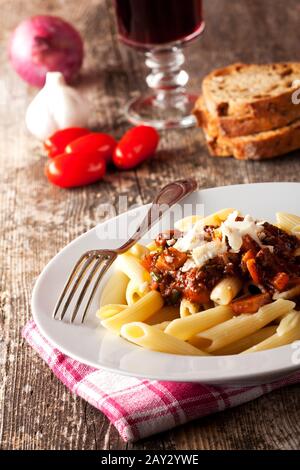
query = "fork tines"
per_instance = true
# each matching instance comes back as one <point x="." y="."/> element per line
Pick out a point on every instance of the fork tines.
<point x="90" y="267"/>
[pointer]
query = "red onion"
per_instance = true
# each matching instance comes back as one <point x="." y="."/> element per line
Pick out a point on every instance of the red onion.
<point x="44" y="44"/>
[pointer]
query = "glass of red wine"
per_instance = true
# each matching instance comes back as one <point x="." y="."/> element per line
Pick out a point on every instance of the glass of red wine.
<point x="160" y="29"/>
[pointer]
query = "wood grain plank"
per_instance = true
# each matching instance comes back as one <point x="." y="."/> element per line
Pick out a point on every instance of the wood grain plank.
<point x="37" y="220"/>
<point x="257" y="425"/>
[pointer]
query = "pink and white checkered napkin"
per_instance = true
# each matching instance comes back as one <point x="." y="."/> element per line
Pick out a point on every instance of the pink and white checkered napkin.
<point x="139" y="408"/>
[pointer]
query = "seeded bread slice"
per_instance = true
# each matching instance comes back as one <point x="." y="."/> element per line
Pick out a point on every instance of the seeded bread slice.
<point x="257" y="146"/>
<point x="236" y="126"/>
<point x="252" y="90"/>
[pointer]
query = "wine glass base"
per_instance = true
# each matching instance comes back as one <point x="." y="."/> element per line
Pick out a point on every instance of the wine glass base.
<point x="148" y="110"/>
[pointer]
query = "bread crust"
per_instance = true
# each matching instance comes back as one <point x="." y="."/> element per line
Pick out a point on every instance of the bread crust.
<point x="258" y="146"/>
<point x="271" y="147"/>
<point x="244" y="125"/>
<point x="274" y="104"/>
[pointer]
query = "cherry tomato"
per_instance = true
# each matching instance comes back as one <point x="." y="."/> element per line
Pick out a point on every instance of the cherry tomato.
<point x="57" y="142"/>
<point x="102" y="143"/>
<point x="137" y="144"/>
<point x="74" y="169"/>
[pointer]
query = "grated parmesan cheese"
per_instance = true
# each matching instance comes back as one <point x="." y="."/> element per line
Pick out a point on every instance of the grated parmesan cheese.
<point x="208" y="251"/>
<point x="235" y="230"/>
<point x="232" y="231"/>
<point x="189" y="264"/>
<point x="193" y="238"/>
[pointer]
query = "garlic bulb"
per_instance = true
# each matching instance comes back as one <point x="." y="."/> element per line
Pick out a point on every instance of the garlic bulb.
<point x="56" y="106"/>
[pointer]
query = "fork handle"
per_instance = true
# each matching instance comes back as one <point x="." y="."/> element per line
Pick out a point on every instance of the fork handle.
<point x="165" y="199"/>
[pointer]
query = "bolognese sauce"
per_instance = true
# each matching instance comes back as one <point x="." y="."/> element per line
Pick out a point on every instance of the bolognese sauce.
<point x="268" y="263"/>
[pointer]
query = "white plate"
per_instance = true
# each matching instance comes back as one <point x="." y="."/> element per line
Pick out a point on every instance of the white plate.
<point x="91" y="344"/>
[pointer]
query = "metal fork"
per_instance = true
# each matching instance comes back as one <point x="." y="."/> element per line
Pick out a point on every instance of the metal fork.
<point x="95" y="263"/>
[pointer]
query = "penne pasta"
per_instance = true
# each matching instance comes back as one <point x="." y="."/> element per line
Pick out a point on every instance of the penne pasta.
<point x="168" y="313"/>
<point x="185" y="328"/>
<point x="188" y="308"/>
<point x="287" y="221"/>
<point x="114" y="291"/>
<point x="135" y="292"/>
<point x="289" y="322"/>
<point x="247" y="342"/>
<point x="131" y="266"/>
<point x="150" y="337"/>
<point x="223" y="285"/>
<point x="162" y="326"/>
<point x="278" y="320"/>
<point x="108" y="311"/>
<point x="217" y="217"/>
<point x="152" y="246"/>
<point x="138" y="250"/>
<point x="296" y="231"/>
<point x="225" y="291"/>
<point x="140" y="311"/>
<point x="287" y="332"/>
<point x="239" y="327"/>
<point x="187" y="223"/>
<point x="289" y="294"/>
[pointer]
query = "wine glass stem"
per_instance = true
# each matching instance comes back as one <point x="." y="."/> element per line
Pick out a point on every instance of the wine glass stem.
<point x="167" y="78"/>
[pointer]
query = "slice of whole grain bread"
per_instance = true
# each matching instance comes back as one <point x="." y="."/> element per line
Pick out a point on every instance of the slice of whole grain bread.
<point x="253" y="91"/>
<point x="235" y="126"/>
<point x="256" y="146"/>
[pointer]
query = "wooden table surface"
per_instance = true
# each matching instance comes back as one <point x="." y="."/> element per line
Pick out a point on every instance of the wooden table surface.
<point x="37" y="219"/>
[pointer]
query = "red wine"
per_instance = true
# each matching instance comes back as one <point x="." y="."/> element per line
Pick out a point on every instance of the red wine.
<point x="154" y="22"/>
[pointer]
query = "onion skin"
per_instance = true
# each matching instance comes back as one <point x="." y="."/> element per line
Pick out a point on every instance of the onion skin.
<point x="42" y="44"/>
